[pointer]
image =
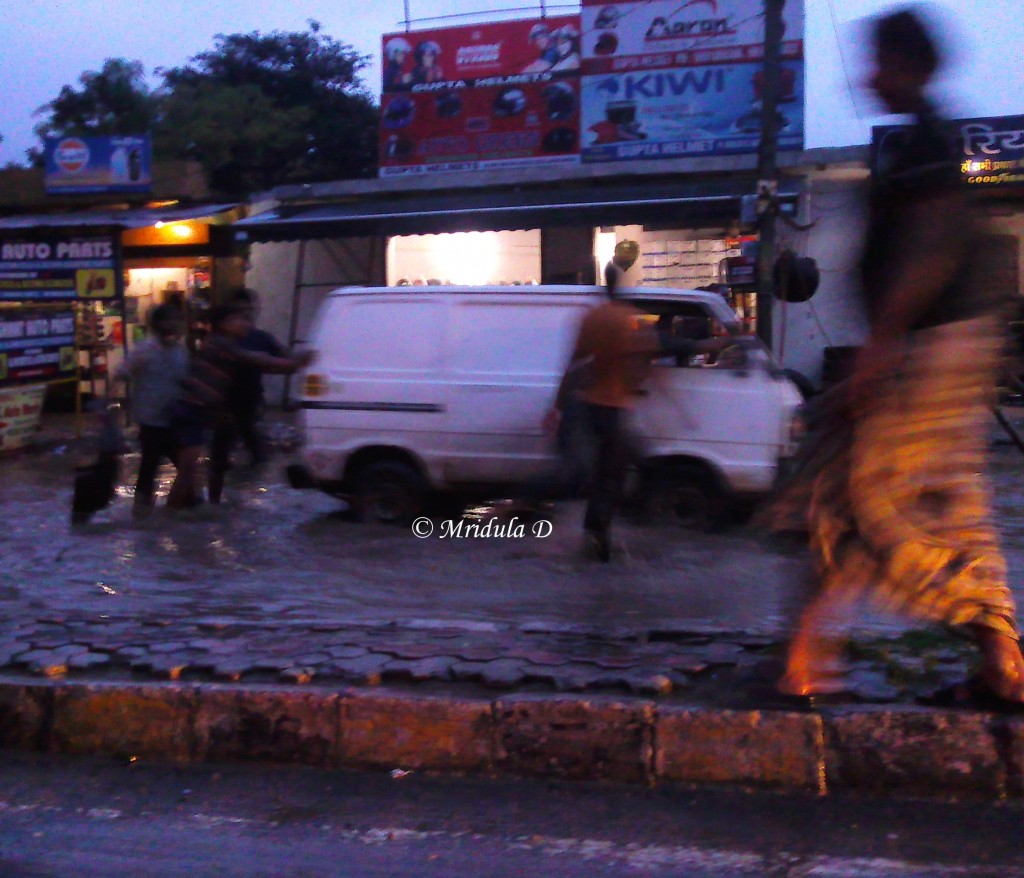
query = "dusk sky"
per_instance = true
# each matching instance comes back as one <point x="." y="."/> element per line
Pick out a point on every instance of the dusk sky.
<point x="49" y="43"/>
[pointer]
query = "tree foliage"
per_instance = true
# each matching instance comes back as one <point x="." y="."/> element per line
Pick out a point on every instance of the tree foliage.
<point x="115" y="99"/>
<point x="257" y="110"/>
<point x="263" y="109"/>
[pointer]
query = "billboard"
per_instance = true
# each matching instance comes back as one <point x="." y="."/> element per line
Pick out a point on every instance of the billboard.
<point x="504" y="94"/>
<point x="990" y="149"/>
<point x="36" y="344"/>
<point x="84" y="165"/>
<point x="664" y="78"/>
<point x="59" y="267"/>
<point x="20" y="408"/>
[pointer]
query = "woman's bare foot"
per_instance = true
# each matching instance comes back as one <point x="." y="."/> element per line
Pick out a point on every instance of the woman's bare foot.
<point x="812" y="661"/>
<point x="1002" y="667"/>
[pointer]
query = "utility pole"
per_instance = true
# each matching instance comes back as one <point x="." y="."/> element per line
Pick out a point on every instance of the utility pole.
<point x="767" y="169"/>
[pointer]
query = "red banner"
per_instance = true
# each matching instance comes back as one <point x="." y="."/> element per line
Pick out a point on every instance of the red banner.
<point x="485" y="126"/>
<point x="503" y="94"/>
<point x="468" y="54"/>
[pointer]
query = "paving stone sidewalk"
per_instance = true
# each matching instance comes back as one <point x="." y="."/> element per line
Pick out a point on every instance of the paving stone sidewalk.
<point x="725" y="668"/>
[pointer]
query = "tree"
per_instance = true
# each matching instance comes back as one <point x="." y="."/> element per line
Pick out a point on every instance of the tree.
<point x="116" y="99"/>
<point x="259" y="110"/>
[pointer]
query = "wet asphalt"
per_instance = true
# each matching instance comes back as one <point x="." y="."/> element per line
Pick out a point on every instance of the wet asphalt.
<point x="97" y="818"/>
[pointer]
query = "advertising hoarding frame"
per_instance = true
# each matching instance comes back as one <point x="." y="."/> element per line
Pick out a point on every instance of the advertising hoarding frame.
<point x="116" y="164"/>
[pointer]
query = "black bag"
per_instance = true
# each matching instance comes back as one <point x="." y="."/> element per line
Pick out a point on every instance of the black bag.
<point x="95" y="483"/>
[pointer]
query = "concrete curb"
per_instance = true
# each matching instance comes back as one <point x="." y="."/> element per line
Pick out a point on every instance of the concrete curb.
<point x="900" y="750"/>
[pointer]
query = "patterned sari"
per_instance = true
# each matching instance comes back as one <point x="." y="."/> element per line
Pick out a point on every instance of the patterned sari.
<point x="894" y="495"/>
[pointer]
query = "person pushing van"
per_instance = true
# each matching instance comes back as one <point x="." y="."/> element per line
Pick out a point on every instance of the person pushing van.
<point x="211" y="381"/>
<point x="610" y="361"/>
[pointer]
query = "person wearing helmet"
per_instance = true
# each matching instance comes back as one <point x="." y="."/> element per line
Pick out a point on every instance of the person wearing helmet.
<point x="543" y="41"/>
<point x="427" y="69"/>
<point x="567" y="48"/>
<point x="396" y="51"/>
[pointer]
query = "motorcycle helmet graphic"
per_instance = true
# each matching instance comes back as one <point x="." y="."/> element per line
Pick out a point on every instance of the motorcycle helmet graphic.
<point x="399" y="113"/>
<point x="447" y="105"/>
<point x="606" y="44"/>
<point x="559" y="140"/>
<point x="509" y="102"/>
<point x="559" y="100"/>
<point x="607" y="17"/>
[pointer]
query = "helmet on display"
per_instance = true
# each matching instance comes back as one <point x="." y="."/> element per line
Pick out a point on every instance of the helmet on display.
<point x="448" y="104"/>
<point x="399" y="112"/>
<point x="607" y="17"/>
<point x="559" y="140"/>
<point x="560" y="102"/>
<point x="606" y="44"/>
<point x="509" y="102"/>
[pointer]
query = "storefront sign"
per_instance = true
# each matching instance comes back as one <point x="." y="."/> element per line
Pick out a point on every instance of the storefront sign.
<point x="98" y="164"/>
<point x="20" y="408"/>
<point x="58" y="267"/>
<point x="679" y="112"/>
<point x="664" y="79"/>
<point x="36" y="344"/>
<point x="990" y="150"/>
<point x="504" y="94"/>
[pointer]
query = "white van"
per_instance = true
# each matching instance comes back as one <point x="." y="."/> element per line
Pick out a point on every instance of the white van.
<point x="425" y="390"/>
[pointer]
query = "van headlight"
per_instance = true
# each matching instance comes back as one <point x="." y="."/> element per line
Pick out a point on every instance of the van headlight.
<point x="314" y="385"/>
<point x="797" y="426"/>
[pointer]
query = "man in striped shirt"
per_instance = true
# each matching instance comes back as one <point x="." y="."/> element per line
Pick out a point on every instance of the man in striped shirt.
<point x="212" y="378"/>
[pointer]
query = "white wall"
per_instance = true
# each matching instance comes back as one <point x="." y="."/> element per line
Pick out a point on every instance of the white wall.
<point x="834" y="316"/>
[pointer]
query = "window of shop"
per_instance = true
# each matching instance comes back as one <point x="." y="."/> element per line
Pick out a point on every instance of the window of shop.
<point x="473" y="258"/>
<point x="701" y="258"/>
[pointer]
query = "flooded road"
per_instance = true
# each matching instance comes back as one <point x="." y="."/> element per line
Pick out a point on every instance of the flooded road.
<point x="271" y="552"/>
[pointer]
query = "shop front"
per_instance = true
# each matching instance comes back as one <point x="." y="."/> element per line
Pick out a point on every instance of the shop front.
<point x="76" y="289"/>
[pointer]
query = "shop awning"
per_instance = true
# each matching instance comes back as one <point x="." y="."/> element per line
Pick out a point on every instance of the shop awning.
<point x="647" y="204"/>
<point x="135" y="218"/>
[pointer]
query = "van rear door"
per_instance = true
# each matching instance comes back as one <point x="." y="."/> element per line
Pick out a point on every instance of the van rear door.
<point x="380" y="357"/>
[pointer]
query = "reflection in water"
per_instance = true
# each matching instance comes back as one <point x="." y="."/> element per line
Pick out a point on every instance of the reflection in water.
<point x="105" y="588"/>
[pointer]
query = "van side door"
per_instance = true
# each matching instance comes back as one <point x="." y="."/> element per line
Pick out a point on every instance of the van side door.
<point x="507" y="354"/>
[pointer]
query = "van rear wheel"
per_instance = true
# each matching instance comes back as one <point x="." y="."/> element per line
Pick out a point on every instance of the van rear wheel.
<point x="686" y="496"/>
<point x="388" y="492"/>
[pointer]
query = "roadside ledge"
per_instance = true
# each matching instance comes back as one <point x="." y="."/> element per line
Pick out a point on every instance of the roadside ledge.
<point x="905" y="750"/>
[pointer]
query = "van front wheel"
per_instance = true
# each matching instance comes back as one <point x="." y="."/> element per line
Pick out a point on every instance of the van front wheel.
<point x="685" y="495"/>
<point x="389" y="492"/>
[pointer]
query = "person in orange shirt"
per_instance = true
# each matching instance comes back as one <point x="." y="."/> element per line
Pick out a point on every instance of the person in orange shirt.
<point x="610" y="361"/>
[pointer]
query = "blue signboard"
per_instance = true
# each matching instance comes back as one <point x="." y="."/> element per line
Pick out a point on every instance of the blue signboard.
<point x="36" y="344"/>
<point x="81" y="165"/>
<point x="672" y="79"/>
<point x="990" y="149"/>
<point x="685" y="111"/>
<point x="59" y="267"/>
